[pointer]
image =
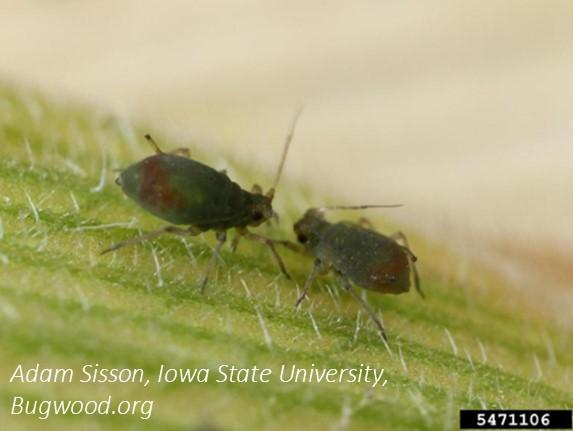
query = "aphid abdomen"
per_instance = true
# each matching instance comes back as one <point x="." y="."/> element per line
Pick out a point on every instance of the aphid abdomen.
<point x="390" y="277"/>
<point x="370" y="260"/>
<point x="180" y="190"/>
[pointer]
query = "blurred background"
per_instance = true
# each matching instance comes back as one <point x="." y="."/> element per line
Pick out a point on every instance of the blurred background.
<point x="460" y="110"/>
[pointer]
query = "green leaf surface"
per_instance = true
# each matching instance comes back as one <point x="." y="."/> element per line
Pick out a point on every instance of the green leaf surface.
<point x="473" y="343"/>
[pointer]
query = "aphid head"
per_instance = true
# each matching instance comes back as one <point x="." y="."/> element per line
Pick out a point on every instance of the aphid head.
<point x="260" y="210"/>
<point x="309" y="227"/>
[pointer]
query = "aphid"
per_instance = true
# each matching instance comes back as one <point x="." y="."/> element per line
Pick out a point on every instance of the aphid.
<point x="357" y="254"/>
<point x="183" y="191"/>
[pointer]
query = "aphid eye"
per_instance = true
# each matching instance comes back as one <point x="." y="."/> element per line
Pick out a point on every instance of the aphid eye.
<point x="302" y="238"/>
<point x="257" y="216"/>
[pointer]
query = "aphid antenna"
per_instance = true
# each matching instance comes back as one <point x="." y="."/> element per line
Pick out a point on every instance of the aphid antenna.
<point x="271" y="193"/>
<point x="355" y="207"/>
<point x="153" y="143"/>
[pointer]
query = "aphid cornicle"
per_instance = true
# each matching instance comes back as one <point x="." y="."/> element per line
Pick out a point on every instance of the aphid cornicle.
<point x="357" y="254"/>
<point x="183" y="191"/>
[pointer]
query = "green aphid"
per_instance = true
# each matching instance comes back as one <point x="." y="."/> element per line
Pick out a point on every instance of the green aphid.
<point x="356" y="254"/>
<point x="186" y="192"/>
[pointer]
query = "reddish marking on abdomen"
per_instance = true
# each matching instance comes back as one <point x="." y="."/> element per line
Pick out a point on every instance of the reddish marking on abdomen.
<point x="390" y="276"/>
<point x="156" y="190"/>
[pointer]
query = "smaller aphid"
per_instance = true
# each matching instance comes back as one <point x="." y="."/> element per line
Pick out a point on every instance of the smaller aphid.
<point x="357" y="254"/>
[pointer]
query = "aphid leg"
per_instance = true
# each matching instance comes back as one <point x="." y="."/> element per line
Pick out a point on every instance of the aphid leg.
<point x="153" y="144"/>
<point x="182" y="151"/>
<point x="347" y="286"/>
<point x="221" y="238"/>
<point x="270" y="243"/>
<point x="288" y="244"/>
<point x="235" y="242"/>
<point x="292" y="246"/>
<point x="366" y="223"/>
<point x="399" y="236"/>
<point x="256" y="189"/>
<point x="150" y="235"/>
<point x="308" y="283"/>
